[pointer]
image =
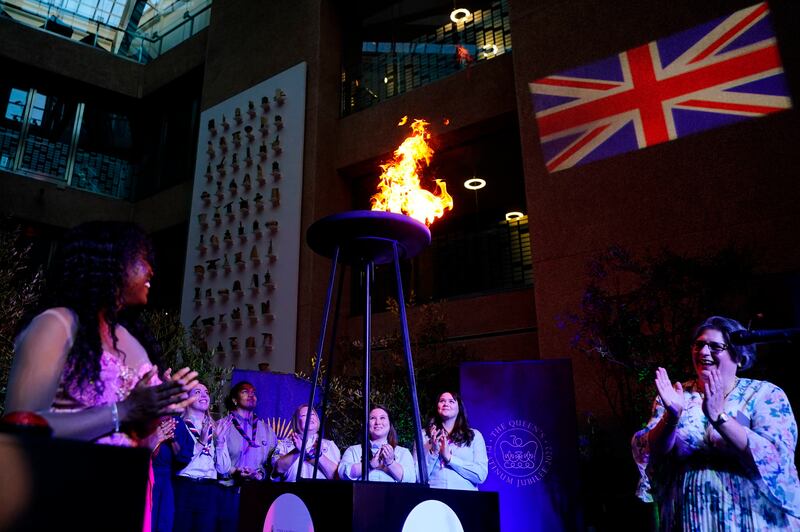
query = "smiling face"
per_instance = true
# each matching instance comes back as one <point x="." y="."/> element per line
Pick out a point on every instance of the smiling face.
<point x="447" y="406"/>
<point x="313" y="425"/>
<point x="137" y="282"/>
<point x="379" y="424"/>
<point x="203" y="401"/>
<point x="709" y="350"/>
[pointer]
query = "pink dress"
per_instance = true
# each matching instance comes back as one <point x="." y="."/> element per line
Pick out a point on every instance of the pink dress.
<point x="119" y="379"/>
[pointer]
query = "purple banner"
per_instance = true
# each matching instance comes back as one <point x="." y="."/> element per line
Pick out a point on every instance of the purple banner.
<point x="526" y="413"/>
<point x="278" y="395"/>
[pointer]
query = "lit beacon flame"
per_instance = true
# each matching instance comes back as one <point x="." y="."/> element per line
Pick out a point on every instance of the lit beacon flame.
<point x="399" y="188"/>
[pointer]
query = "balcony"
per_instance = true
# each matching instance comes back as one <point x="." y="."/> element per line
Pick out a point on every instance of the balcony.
<point x="383" y="69"/>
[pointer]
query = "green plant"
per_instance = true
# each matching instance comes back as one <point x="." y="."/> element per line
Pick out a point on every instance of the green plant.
<point x="187" y="347"/>
<point x="638" y="314"/>
<point x="20" y="287"/>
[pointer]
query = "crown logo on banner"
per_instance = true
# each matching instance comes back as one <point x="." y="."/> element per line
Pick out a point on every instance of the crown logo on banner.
<point x="518" y="455"/>
<point x="519" y="452"/>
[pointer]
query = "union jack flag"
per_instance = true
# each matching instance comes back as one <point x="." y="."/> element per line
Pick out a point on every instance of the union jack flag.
<point x="715" y="74"/>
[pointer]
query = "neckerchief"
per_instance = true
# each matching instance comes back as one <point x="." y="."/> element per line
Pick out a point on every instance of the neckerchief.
<point x="206" y="450"/>
<point x="241" y="427"/>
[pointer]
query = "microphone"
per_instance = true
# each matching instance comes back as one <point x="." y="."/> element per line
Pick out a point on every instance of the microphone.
<point x="765" y="336"/>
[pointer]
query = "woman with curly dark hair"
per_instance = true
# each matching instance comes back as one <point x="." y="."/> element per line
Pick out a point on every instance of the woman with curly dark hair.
<point x="84" y="361"/>
<point x="455" y="453"/>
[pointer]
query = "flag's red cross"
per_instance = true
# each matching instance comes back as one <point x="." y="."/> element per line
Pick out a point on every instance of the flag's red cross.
<point x="647" y="94"/>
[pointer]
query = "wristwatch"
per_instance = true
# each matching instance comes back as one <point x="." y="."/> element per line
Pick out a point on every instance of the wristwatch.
<point x="723" y="418"/>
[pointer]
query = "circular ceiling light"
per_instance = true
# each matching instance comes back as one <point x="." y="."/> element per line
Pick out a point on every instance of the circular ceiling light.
<point x="460" y="15"/>
<point x="514" y="215"/>
<point x="476" y="183"/>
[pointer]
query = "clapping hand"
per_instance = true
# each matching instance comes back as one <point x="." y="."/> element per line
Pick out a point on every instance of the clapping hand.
<point x="444" y="446"/>
<point x="187" y="379"/>
<point x="433" y="439"/>
<point x="146" y="402"/>
<point x="714" y="397"/>
<point x="165" y="430"/>
<point x="377" y="458"/>
<point x="387" y="454"/>
<point x="297" y="439"/>
<point x="208" y="426"/>
<point x="671" y="394"/>
<point x="222" y="429"/>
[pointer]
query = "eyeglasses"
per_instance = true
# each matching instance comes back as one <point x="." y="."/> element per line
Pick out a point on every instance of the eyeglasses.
<point x="714" y="347"/>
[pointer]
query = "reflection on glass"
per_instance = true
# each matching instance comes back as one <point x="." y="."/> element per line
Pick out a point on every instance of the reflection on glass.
<point x="11" y="124"/>
<point x="46" y="148"/>
<point x="386" y="66"/>
<point x="103" y="161"/>
<point x="16" y="105"/>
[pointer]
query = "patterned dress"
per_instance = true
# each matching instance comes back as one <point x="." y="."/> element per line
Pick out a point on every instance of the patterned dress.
<point x="118" y="379"/>
<point x="703" y="483"/>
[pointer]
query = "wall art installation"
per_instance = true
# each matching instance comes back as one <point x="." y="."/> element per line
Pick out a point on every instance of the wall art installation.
<point x="242" y="260"/>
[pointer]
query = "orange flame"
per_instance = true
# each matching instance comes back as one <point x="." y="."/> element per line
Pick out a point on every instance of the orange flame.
<point x="399" y="189"/>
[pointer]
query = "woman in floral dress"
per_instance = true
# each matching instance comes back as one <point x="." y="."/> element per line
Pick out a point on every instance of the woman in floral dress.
<point x="718" y="452"/>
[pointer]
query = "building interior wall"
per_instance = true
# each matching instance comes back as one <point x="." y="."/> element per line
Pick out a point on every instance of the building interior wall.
<point x="729" y="186"/>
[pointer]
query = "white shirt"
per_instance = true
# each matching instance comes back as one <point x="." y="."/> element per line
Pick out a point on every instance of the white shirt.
<point x="401" y="455"/>
<point x="468" y="467"/>
<point x="206" y="460"/>
<point x="286" y="445"/>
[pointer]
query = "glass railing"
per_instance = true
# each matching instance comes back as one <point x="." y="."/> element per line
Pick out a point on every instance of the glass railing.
<point x="154" y="36"/>
<point x="68" y="142"/>
<point x="388" y="69"/>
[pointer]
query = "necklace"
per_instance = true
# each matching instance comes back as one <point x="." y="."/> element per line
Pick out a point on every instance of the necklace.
<point x="735" y="383"/>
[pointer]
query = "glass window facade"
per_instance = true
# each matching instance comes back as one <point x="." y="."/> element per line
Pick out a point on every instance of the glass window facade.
<point x="16" y="101"/>
<point x="406" y="55"/>
<point x="74" y="135"/>
<point x="47" y="142"/>
<point x="136" y="29"/>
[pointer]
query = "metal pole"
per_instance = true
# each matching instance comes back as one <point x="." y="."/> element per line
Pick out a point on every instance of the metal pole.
<point x="325" y="312"/>
<point x="412" y="384"/>
<point x="365" y="458"/>
<point x="327" y="388"/>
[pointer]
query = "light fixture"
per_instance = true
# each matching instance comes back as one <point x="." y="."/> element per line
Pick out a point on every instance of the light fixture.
<point x="475" y="183"/>
<point x="514" y="215"/>
<point x="489" y="49"/>
<point x="385" y="79"/>
<point x="460" y="14"/>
